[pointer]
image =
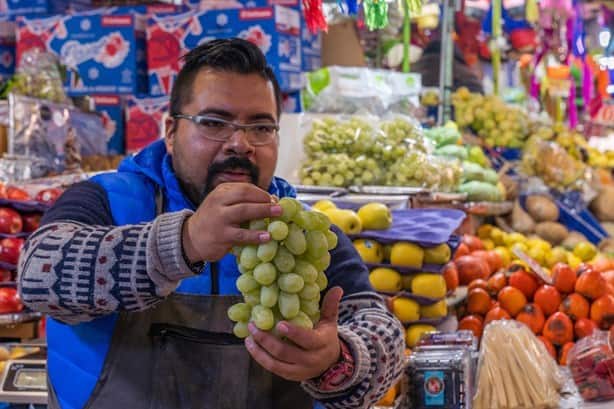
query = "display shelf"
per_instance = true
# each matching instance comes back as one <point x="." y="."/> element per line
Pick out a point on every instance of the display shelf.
<point x="488" y="208"/>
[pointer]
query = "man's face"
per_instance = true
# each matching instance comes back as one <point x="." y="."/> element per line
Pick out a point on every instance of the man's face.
<point x="202" y="164"/>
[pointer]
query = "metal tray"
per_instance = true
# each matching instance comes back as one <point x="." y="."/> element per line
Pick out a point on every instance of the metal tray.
<point x="388" y="190"/>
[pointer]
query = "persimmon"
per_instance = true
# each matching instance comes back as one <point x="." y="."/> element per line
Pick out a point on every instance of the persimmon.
<point x="563" y="278"/>
<point x="558" y="329"/>
<point x="472" y="242"/>
<point x="584" y="327"/>
<point x="496" y="314"/>
<point x="473" y="323"/>
<point x="591" y="284"/>
<point x="525" y="282"/>
<point x="549" y="346"/>
<point x="471" y="268"/>
<point x="496" y="283"/>
<point x="450" y="275"/>
<point x="602" y="311"/>
<point x="533" y="317"/>
<point x="512" y="300"/>
<point x="564" y="351"/>
<point x="478" y="301"/>
<point x="548" y="298"/>
<point x="477" y="283"/>
<point x="575" y="306"/>
<point x="461" y="251"/>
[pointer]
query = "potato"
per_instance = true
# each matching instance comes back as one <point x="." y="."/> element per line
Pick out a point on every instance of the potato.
<point x="552" y="232"/>
<point x="542" y="209"/>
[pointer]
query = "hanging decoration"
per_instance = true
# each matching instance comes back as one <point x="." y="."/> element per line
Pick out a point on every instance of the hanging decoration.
<point x="314" y="16"/>
<point x="376" y="13"/>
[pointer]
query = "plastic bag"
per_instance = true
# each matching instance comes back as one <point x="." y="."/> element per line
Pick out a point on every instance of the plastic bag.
<point x="515" y="370"/>
<point x="591" y="362"/>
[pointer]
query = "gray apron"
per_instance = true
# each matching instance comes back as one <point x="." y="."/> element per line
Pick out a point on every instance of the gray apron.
<point x="182" y="354"/>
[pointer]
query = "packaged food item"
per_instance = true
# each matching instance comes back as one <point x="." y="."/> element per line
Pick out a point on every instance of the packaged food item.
<point x="591" y="362"/>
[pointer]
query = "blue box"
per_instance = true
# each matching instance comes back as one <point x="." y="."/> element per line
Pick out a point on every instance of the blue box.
<point x="276" y="30"/>
<point x="21" y="7"/>
<point x="7" y="48"/>
<point x="103" y="53"/>
<point x="111" y="109"/>
<point x="203" y="5"/>
<point x="311" y="47"/>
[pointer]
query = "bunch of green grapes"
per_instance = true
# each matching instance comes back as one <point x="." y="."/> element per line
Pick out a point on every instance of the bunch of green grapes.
<point x="283" y="279"/>
<point x="330" y="135"/>
<point x="419" y="170"/>
<point x="400" y="131"/>
<point x="341" y="170"/>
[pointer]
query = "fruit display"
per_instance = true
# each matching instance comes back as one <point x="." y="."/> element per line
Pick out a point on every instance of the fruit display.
<point x="515" y="370"/>
<point x="491" y="119"/>
<point x="283" y="279"/>
<point x="372" y="216"/>
<point x="591" y="362"/>
<point x="426" y="171"/>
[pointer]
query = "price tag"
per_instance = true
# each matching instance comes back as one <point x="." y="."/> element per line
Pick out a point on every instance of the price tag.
<point x="533" y="265"/>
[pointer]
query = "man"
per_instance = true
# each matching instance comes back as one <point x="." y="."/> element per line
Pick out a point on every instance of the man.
<point x="134" y="268"/>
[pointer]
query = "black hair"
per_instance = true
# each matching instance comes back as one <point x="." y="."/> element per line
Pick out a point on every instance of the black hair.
<point x="230" y="55"/>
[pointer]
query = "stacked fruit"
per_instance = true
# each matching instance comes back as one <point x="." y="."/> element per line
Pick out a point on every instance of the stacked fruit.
<point x="571" y="307"/>
<point x="283" y="279"/>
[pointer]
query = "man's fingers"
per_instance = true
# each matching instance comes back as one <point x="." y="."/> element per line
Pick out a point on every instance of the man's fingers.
<point x="330" y="305"/>
<point x="278" y="349"/>
<point x="245" y="212"/>
<point x="307" y="339"/>
<point x="238" y="236"/>
<point x="233" y="193"/>
<point x="285" y="370"/>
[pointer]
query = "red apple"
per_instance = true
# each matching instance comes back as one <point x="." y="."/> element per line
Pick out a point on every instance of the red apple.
<point x="9" y="300"/>
<point x="5" y="275"/>
<point x="15" y="193"/>
<point x="9" y="250"/>
<point x="31" y="221"/>
<point x="10" y="221"/>
<point x="48" y="196"/>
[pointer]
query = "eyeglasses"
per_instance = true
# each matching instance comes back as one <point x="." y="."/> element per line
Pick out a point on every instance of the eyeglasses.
<point x="220" y="130"/>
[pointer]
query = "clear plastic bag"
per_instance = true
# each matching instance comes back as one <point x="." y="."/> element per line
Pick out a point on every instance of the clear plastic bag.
<point x="591" y="362"/>
<point x="515" y="370"/>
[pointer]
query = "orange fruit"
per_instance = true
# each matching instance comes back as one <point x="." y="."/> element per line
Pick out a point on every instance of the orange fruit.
<point x="591" y="284"/>
<point x="461" y="250"/>
<point x="533" y="317"/>
<point x="495" y="261"/>
<point x="584" y="327"/>
<point x="549" y="346"/>
<point x="450" y="274"/>
<point x="575" y="306"/>
<point x="472" y="242"/>
<point x="496" y="283"/>
<point x="564" y="351"/>
<point x="473" y="323"/>
<point x="496" y="314"/>
<point x="602" y="311"/>
<point x="558" y="329"/>
<point x="478" y="301"/>
<point x="478" y="283"/>
<point x="525" y="282"/>
<point x="563" y="278"/>
<point x="548" y="298"/>
<point x="512" y="300"/>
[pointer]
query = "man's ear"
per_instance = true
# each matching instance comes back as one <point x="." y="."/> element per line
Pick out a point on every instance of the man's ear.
<point x="170" y="129"/>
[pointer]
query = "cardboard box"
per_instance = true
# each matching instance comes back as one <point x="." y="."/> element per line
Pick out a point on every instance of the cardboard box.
<point x="111" y="108"/>
<point x="274" y="29"/>
<point x="103" y="52"/>
<point x="341" y="46"/>
<point x="144" y="121"/>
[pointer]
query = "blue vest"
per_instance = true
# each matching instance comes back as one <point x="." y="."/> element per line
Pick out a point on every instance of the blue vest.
<point x="76" y="353"/>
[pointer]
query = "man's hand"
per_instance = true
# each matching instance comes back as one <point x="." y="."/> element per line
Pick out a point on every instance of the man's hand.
<point x="311" y="351"/>
<point x="211" y="232"/>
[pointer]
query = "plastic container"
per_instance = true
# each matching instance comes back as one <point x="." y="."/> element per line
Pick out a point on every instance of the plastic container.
<point x="591" y="362"/>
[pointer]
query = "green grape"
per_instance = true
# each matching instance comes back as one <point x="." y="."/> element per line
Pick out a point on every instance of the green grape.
<point x="309" y="307"/>
<point x="306" y="220"/>
<point x="310" y="291"/>
<point x="315" y="318"/>
<point x="278" y="230"/>
<point x="253" y="297"/>
<point x="289" y="305"/>
<point x="244" y="270"/>
<point x="239" y="312"/>
<point x="258" y="225"/>
<point x="296" y="242"/>
<point x="246" y="283"/>
<point x="240" y="330"/>
<point x="284" y="260"/>
<point x="322" y="222"/>
<point x="331" y="239"/>
<point x="269" y="295"/>
<point x="322" y="281"/>
<point x="302" y="320"/>
<point x="290" y="207"/>
<point x="306" y="270"/>
<point x="291" y="283"/>
<point x="262" y="317"/>
<point x="322" y="263"/>
<point x="267" y="251"/>
<point x="249" y="257"/>
<point x="317" y="245"/>
<point x="264" y="274"/>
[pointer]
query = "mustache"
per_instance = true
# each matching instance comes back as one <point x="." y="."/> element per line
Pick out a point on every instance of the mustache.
<point x="232" y="163"/>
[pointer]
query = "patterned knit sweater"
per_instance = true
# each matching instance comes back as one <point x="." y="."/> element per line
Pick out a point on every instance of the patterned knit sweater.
<point x="78" y="266"/>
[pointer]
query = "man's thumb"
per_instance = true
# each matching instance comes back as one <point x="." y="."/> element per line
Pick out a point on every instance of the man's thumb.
<point x="330" y="304"/>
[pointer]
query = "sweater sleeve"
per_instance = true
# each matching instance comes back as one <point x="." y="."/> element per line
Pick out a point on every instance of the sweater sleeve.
<point x="77" y="266"/>
<point x="374" y="336"/>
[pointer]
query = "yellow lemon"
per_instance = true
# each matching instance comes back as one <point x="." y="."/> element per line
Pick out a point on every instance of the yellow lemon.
<point x="440" y="254"/>
<point x="385" y="279"/>
<point x="437" y="310"/>
<point x="375" y="216"/>
<point x="429" y="285"/>
<point x="324" y="205"/>
<point x="407" y="255"/>
<point x="405" y="309"/>
<point x="370" y="251"/>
